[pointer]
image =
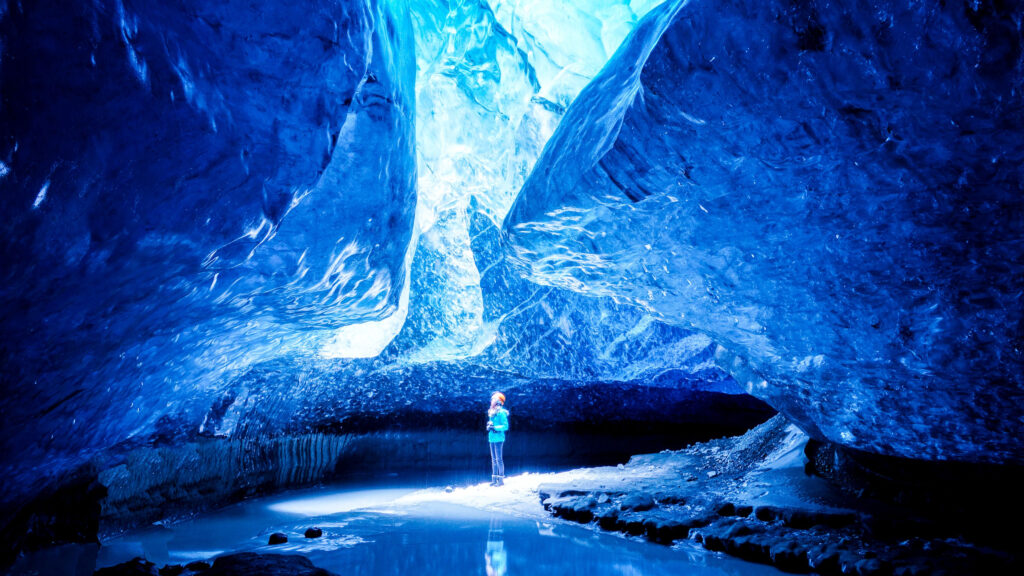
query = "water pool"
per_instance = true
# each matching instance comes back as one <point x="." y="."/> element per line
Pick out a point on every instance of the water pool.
<point x="366" y="532"/>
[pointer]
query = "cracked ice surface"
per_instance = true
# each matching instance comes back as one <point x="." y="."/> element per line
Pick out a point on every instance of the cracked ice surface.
<point x="829" y="191"/>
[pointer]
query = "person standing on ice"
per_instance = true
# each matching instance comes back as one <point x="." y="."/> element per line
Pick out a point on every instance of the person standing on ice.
<point x="497" y="425"/>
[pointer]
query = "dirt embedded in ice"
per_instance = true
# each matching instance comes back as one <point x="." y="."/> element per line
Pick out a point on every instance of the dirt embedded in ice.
<point x="748" y="496"/>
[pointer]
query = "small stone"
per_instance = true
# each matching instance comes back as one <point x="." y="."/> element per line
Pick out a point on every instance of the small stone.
<point x="314" y="532"/>
<point x="277" y="538"/>
<point x="691" y="478"/>
<point x="449" y="489"/>
<point x="712" y="474"/>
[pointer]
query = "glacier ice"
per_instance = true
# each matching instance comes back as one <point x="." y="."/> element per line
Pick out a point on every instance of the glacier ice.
<point x="493" y="79"/>
<point x="829" y="190"/>
<point x="232" y="221"/>
<point x="189" y="188"/>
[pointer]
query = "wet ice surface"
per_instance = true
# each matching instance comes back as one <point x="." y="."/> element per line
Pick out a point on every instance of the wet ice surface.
<point x="391" y="531"/>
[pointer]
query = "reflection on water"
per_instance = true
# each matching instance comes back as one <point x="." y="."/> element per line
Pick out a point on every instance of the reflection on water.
<point x="384" y="538"/>
<point x="495" y="555"/>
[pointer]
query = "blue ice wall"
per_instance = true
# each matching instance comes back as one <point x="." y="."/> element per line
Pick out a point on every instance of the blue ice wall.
<point x="209" y="220"/>
<point x="830" y="190"/>
<point x="188" y="188"/>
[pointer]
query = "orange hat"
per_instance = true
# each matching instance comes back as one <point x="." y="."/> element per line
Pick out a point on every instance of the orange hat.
<point x="499" y="396"/>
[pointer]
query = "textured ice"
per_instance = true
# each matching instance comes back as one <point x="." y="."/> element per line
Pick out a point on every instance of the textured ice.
<point x="189" y="188"/>
<point x="493" y="79"/>
<point x="540" y="339"/>
<point x="830" y="190"/>
<point x="232" y="220"/>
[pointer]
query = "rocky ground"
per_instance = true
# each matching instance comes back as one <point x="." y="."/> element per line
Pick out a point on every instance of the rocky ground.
<point x="755" y="497"/>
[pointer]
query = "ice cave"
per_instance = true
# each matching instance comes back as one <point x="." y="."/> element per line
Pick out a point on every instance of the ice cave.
<point x="511" y="287"/>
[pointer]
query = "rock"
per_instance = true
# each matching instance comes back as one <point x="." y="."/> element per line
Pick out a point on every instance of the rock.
<point x="790" y="556"/>
<point x="607" y="517"/>
<point x="172" y="570"/>
<point x="691" y="478"/>
<point x="449" y="489"/>
<point x="803" y="518"/>
<point x="712" y="474"/>
<point x="824" y="559"/>
<point x="133" y="567"/>
<point x="250" y="564"/>
<point x="70" y="514"/>
<point x="795" y="518"/>
<point x="766" y="513"/>
<point x="671" y="498"/>
<point x="872" y="566"/>
<point x="198" y="566"/>
<point x="727" y="509"/>
<point x="314" y="532"/>
<point x="277" y="538"/>
<point x="667" y="528"/>
<point x="638" y="502"/>
<point x="575" y="508"/>
<point x="848" y="560"/>
<point x="752" y="548"/>
<point x="738" y="528"/>
<point x="912" y="570"/>
<point x="631" y="523"/>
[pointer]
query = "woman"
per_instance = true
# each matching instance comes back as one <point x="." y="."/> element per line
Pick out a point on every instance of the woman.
<point x="497" y="425"/>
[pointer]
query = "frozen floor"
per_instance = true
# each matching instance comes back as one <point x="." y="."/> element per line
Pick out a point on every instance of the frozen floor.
<point x="399" y="531"/>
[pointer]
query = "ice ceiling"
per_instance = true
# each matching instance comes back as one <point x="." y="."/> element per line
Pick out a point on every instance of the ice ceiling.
<point x="831" y="193"/>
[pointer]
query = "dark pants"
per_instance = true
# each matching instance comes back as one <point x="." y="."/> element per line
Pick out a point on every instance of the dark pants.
<point x="497" y="459"/>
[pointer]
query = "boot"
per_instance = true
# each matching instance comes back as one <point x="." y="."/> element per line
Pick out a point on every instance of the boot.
<point x="500" y="480"/>
<point x="494" y="480"/>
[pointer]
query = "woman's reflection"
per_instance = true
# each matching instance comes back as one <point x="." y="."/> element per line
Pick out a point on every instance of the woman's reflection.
<point x="494" y="556"/>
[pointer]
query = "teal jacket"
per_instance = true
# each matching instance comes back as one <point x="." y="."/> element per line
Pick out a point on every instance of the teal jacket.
<point x="499" y="424"/>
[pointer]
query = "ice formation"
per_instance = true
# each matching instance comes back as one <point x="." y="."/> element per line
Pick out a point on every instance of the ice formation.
<point x="829" y="190"/>
<point x="493" y="80"/>
<point x="188" y="189"/>
<point x="216" y="217"/>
